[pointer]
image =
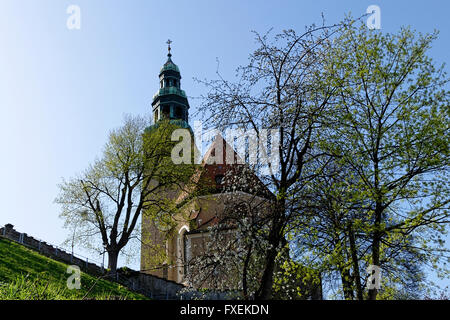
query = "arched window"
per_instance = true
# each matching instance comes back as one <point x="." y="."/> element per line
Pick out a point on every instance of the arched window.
<point x="183" y="252"/>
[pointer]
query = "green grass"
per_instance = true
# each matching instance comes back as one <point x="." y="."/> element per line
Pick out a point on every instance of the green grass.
<point x="26" y="274"/>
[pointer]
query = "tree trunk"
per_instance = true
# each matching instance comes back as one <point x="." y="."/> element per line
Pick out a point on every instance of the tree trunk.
<point x="347" y="284"/>
<point x="265" y="289"/>
<point x="245" y="271"/>
<point x="113" y="256"/>
<point x="376" y="241"/>
<point x="375" y="261"/>
<point x="356" y="275"/>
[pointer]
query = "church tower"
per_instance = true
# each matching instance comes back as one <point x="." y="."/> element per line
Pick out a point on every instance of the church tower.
<point x="166" y="251"/>
<point x="170" y="102"/>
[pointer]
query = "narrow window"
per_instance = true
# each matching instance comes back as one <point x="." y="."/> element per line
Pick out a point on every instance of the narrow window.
<point x="185" y="255"/>
<point x="178" y="112"/>
<point x="166" y="111"/>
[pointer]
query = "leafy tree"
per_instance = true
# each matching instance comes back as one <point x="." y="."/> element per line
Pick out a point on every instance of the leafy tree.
<point x="330" y="238"/>
<point x="103" y="204"/>
<point x="391" y="129"/>
<point x="324" y="236"/>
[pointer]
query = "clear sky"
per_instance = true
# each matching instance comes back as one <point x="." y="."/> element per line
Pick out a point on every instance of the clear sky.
<point x="62" y="90"/>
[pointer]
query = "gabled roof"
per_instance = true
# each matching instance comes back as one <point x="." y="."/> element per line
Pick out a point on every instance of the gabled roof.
<point x="220" y="160"/>
<point x="221" y="145"/>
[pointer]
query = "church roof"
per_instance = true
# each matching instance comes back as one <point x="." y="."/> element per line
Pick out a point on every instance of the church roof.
<point x="215" y="165"/>
<point x="169" y="65"/>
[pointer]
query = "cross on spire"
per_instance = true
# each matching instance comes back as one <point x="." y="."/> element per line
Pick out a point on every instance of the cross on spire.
<point x="169" y="48"/>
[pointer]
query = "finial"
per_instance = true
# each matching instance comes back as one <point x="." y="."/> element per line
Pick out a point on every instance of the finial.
<point x="169" y="42"/>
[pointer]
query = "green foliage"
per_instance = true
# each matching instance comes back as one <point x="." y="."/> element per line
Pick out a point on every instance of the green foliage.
<point x="293" y="281"/>
<point x="388" y="128"/>
<point x="135" y="176"/>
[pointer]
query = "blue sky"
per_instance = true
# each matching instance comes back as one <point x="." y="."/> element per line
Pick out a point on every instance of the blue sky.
<point x="62" y="90"/>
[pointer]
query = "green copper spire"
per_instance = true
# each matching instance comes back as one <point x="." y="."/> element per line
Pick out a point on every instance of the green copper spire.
<point x="170" y="102"/>
<point x="169" y="65"/>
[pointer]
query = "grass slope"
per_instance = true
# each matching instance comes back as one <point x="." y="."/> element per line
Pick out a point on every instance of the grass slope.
<point x="26" y="274"/>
